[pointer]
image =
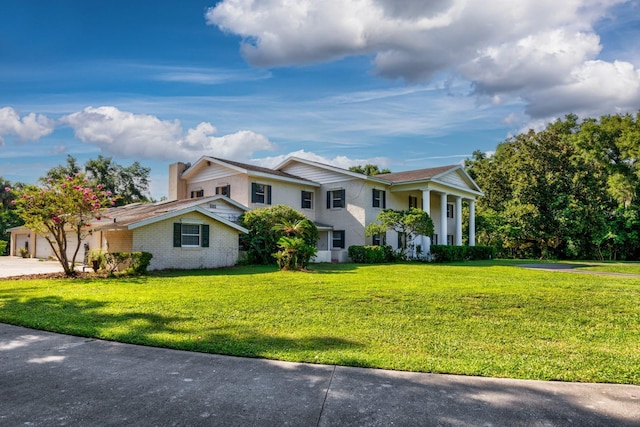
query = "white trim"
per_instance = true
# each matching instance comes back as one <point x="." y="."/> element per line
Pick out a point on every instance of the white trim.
<point x="176" y="213"/>
<point x="247" y="172"/>
<point x="346" y="172"/>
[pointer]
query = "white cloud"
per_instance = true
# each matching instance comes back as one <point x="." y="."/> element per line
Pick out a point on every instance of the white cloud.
<point x="28" y="128"/>
<point x="508" y="49"/>
<point x="126" y="134"/>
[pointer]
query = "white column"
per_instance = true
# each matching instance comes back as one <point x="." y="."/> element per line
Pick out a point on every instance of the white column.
<point x="442" y="235"/>
<point x="458" y="216"/>
<point x="426" y="206"/>
<point x="472" y="222"/>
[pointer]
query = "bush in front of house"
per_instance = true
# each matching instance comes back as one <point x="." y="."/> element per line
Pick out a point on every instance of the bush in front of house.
<point x="445" y="253"/>
<point x="371" y="254"/>
<point x="131" y="262"/>
<point x="3" y="246"/>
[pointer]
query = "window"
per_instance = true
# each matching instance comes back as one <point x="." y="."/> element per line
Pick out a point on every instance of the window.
<point x="260" y="193"/>
<point x="379" y="239"/>
<point x="307" y="200"/>
<point x="224" y="190"/>
<point x="402" y="239"/>
<point x="379" y="199"/>
<point x="337" y="240"/>
<point x="197" y="193"/>
<point x="450" y="239"/>
<point x="190" y="235"/>
<point x="413" y="202"/>
<point x="336" y="199"/>
<point x="434" y="239"/>
<point x="449" y="210"/>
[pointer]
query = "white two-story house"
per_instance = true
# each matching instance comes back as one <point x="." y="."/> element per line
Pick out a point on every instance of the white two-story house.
<point x="341" y="203"/>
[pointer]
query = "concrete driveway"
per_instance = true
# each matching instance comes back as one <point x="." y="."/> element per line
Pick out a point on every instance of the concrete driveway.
<point x="50" y="379"/>
<point x="16" y="266"/>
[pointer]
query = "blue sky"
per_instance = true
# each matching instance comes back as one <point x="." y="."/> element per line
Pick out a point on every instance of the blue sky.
<point x="405" y="84"/>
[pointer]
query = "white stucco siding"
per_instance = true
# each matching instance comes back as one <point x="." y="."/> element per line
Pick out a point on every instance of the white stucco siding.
<point x="157" y="238"/>
<point x="314" y="173"/>
<point x="352" y="218"/>
<point x="239" y="184"/>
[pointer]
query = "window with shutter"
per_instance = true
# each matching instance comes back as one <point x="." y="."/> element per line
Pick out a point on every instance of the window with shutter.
<point x="336" y="199"/>
<point x="260" y="193"/>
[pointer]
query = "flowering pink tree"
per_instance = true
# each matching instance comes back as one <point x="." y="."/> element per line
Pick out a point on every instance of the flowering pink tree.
<point x="61" y="208"/>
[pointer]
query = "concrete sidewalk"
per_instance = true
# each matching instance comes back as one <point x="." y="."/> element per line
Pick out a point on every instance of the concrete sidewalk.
<point x="49" y="379"/>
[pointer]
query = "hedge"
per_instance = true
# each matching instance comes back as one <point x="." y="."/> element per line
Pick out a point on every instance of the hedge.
<point x="371" y="254"/>
<point x="3" y="246"/>
<point x="444" y="253"/>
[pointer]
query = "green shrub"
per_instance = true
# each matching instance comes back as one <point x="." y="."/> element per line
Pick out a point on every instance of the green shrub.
<point x="3" y="247"/>
<point x="128" y="262"/>
<point x="371" y="254"/>
<point x="445" y="253"/>
<point x="140" y="262"/>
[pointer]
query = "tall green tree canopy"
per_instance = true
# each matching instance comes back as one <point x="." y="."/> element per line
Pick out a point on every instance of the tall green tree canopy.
<point x="568" y="191"/>
<point x="128" y="184"/>
<point x="408" y="223"/>
<point x="8" y="216"/>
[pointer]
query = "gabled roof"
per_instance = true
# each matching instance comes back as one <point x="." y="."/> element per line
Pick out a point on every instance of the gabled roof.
<point x="138" y="215"/>
<point x="251" y="170"/>
<point x="336" y="169"/>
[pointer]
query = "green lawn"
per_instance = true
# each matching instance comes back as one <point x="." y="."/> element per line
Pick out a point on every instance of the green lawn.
<point x="490" y="319"/>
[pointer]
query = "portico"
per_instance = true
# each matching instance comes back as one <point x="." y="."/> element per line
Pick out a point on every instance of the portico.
<point x="443" y="192"/>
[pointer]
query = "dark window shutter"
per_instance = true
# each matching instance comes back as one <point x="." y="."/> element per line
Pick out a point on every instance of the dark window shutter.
<point x="410" y="202"/>
<point x="384" y="199"/>
<point x="302" y="199"/>
<point x="328" y="199"/>
<point x="217" y="190"/>
<point x="205" y="235"/>
<point x="253" y="192"/>
<point x="343" y="197"/>
<point x="376" y="204"/>
<point x="268" y="194"/>
<point x="177" y="235"/>
<point x="229" y="191"/>
<point x="342" y="242"/>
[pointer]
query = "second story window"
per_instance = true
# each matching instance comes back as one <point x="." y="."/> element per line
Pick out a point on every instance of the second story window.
<point x="197" y="193"/>
<point x="307" y="200"/>
<point x="379" y="199"/>
<point x="224" y="190"/>
<point x="260" y="193"/>
<point x="336" y="199"/>
<point x="449" y="210"/>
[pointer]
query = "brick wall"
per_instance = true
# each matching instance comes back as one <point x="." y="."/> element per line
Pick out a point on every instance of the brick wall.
<point x="157" y="239"/>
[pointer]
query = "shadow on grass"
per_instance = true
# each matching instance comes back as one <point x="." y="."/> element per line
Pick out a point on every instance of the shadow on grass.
<point x="82" y="318"/>
<point x="258" y="345"/>
<point x="244" y="270"/>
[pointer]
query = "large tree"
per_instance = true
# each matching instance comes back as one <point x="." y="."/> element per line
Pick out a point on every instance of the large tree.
<point x="8" y="216"/>
<point x="128" y="184"/>
<point x="568" y="191"/>
<point x="62" y="208"/>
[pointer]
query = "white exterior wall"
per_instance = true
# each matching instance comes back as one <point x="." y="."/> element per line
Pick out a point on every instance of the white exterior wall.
<point x="157" y="238"/>
<point x="240" y="186"/>
<point x="351" y="218"/>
